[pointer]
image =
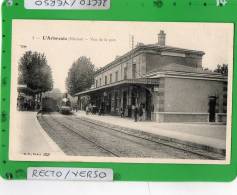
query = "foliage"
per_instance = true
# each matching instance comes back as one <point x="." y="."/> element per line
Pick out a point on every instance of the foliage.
<point x="223" y="69"/>
<point x="35" y="73"/>
<point x="80" y="76"/>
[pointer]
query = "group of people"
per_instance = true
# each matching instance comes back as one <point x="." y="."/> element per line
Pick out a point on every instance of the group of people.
<point x="27" y="105"/>
<point x="138" y="112"/>
<point x="90" y="108"/>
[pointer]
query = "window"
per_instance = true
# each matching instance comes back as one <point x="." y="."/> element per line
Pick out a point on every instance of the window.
<point x="125" y="72"/>
<point x="111" y="78"/>
<point x="96" y="83"/>
<point x="116" y="76"/>
<point x="134" y="71"/>
<point x="105" y="80"/>
<point x="100" y="81"/>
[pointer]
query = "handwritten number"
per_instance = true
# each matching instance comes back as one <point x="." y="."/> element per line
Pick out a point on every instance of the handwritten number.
<point x="99" y="2"/>
<point x="60" y="2"/>
<point x="38" y="3"/>
<point x="46" y="2"/>
<point x="82" y="2"/>
<point x="95" y="2"/>
<point x="104" y="3"/>
<point x="89" y="2"/>
<point x="52" y="4"/>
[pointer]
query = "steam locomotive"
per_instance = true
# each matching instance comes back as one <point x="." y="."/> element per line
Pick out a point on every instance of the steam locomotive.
<point x="65" y="106"/>
<point x="62" y="105"/>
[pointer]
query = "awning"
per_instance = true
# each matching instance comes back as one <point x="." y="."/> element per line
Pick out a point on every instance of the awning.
<point x="141" y="81"/>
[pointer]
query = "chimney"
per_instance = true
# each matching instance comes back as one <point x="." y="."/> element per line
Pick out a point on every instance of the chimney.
<point x="161" y="38"/>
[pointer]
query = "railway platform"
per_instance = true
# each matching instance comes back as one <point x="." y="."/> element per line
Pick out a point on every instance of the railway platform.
<point x="29" y="137"/>
<point x="207" y="136"/>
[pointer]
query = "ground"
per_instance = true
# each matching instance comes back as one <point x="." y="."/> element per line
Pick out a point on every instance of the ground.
<point x="79" y="135"/>
<point x="29" y="137"/>
<point x="106" y="136"/>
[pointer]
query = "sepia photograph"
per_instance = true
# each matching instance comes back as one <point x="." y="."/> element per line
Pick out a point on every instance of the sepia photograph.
<point x="116" y="91"/>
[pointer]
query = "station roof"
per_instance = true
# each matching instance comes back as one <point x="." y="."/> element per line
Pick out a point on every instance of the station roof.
<point x="140" y="81"/>
<point x="183" y="71"/>
<point x="148" y="47"/>
<point x="170" y="70"/>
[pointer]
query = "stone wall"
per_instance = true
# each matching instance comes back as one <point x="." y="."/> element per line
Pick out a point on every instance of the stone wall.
<point x="191" y="95"/>
<point x="187" y="100"/>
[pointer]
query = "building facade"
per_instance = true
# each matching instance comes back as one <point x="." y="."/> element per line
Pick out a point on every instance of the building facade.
<point x="168" y="82"/>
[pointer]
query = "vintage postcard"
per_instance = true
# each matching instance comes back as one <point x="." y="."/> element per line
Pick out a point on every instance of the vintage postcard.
<point x="103" y="91"/>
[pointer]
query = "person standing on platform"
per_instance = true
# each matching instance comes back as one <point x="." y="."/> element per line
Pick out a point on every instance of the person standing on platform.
<point x="122" y="112"/>
<point x="133" y="107"/>
<point x="87" y="109"/>
<point x="135" y="113"/>
<point x="144" y="113"/>
<point x="140" y="112"/>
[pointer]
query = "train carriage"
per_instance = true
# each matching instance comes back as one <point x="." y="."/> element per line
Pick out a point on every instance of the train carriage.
<point x="49" y="105"/>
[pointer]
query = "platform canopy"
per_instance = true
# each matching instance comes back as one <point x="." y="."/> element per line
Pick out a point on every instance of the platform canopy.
<point x="140" y="81"/>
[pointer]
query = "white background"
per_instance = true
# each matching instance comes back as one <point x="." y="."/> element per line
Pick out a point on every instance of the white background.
<point x="115" y="188"/>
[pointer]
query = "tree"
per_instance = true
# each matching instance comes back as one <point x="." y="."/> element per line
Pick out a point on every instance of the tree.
<point x="55" y="94"/>
<point x="223" y="69"/>
<point x="35" y="73"/>
<point x="80" y="76"/>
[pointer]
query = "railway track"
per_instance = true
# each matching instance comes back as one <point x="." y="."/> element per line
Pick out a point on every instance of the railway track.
<point x="64" y="143"/>
<point x="120" y="143"/>
<point x="84" y="137"/>
<point x="185" y="148"/>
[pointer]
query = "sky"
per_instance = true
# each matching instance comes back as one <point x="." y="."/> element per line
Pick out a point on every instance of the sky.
<point x="103" y="41"/>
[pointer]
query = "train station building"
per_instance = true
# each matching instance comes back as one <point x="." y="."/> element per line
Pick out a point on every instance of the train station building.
<point x="169" y="82"/>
